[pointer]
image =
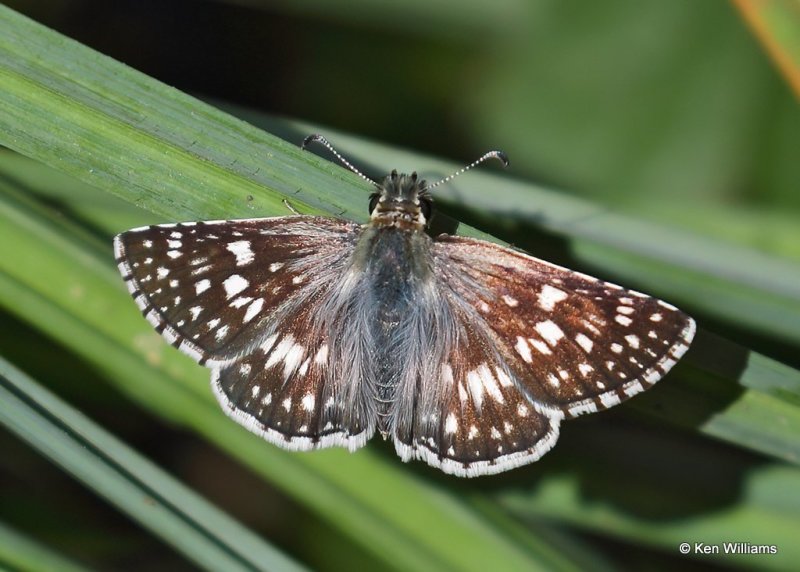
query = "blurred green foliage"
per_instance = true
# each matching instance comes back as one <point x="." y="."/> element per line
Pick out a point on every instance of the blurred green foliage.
<point x="664" y="111"/>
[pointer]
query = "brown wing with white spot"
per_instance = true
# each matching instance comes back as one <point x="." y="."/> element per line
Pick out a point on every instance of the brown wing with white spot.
<point x="239" y="296"/>
<point x="287" y="391"/>
<point x="472" y="417"/>
<point x="211" y="287"/>
<point x="571" y="341"/>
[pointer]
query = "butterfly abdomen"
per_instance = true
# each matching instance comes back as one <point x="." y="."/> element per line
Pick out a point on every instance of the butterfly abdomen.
<point x="398" y="270"/>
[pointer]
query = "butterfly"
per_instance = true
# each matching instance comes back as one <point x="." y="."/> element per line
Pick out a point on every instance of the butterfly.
<point x="321" y="332"/>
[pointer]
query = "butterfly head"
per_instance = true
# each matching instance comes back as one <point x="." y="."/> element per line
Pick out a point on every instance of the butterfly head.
<point x="401" y="201"/>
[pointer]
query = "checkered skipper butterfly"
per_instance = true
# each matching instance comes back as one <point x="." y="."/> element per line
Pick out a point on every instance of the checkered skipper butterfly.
<point x="468" y="355"/>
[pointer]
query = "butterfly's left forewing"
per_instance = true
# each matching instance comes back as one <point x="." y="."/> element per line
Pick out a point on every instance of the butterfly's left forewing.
<point x="571" y="341"/>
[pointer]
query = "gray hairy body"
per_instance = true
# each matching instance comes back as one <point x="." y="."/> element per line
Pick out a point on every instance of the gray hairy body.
<point x="397" y="334"/>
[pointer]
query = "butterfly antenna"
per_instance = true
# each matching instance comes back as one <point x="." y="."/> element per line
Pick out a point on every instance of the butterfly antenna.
<point x="499" y="155"/>
<point x="317" y="138"/>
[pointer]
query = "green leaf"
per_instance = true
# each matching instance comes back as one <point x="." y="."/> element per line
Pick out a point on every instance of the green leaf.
<point x="200" y="531"/>
<point x="19" y="552"/>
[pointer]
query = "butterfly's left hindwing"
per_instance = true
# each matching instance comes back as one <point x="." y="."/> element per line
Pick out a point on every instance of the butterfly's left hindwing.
<point x="470" y="417"/>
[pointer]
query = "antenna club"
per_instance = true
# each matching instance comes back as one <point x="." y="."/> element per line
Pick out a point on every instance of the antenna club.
<point x="502" y="157"/>
<point x="499" y="155"/>
<point x="313" y="138"/>
<point x="317" y="138"/>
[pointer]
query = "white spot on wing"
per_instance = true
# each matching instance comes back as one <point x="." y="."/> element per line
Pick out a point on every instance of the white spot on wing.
<point x="292" y="360"/>
<point x="633" y="341"/>
<point x="512" y="302"/>
<point x="241" y="301"/>
<point x="462" y="393"/>
<point x="540" y="346"/>
<point x="322" y="354"/>
<point x="550" y="296"/>
<point x="234" y="284"/>
<point x="253" y="310"/>
<point x="490" y="384"/>
<point x="201" y="270"/>
<point x="308" y="402"/>
<point x="505" y="381"/>
<point x="475" y="388"/>
<point x="450" y="424"/>
<point x="584" y="342"/>
<point x="202" y="285"/>
<point x="549" y="331"/>
<point x="623" y="320"/>
<point x="268" y="343"/>
<point x="241" y="250"/>
<point x="280" y="351"/>
<point x="523" y="350"/>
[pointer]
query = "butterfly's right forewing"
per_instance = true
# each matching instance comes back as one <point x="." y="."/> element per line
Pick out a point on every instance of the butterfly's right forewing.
<point x="210" y="288"/>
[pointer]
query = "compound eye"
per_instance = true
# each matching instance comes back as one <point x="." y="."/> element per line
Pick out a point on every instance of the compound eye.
<point x="426" y="206"/>
<point x="373" y="201"/>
